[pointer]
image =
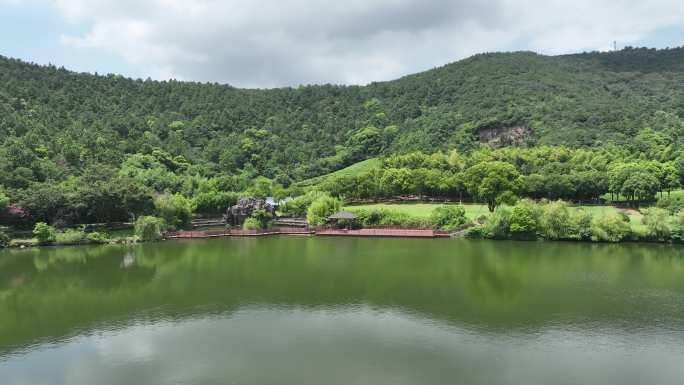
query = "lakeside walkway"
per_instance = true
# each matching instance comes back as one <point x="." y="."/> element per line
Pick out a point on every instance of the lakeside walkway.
<point x="404" y="233"/>
<point x="238" y="233"/>
<point x="384" y="232"/>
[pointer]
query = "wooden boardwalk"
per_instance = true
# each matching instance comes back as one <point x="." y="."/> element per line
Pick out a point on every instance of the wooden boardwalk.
<point x="238" y="233"/>
<point x="383" y="232"/>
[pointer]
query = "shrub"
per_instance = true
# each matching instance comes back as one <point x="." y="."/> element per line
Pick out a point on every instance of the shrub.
<point x="477" y="232"/>
<point x="4" y="200"/>
<point x="657" y="223"/>
<point x="298" y="206"/>
<point x="70" y="237"/>
<point x="176" y="210"/>
<point x="44" y="233"/>
<point x="523" y="221"/>
<point x="260" y="219"/>
<point x="386" y="217"/>
<point x="251" y="224"/>
<point x="16" y="216"/>
<point x="149" y="228"/>
<point x="641" y="234"/>
<point x="320" y="209"/>
<point x="448" y="217"/>
<point x="499" y="224"/>
<point x="96" y="237"/>
<point x="672" y="204"/>
<point x="610" y="228"/>
<point x="555" y="221"/>
<point x="214" y="202"/>
<point x="580" y="225"/>
<point x="4" y="239"/>
<point x="623" y="216"/>
<point x="678" y="227"/>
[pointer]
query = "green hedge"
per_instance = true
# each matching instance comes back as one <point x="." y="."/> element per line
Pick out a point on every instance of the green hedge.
<point x="386" y="217"/>
<point x="557" y="221"/>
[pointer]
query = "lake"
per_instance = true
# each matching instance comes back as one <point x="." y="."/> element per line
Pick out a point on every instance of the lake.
<point x="311" y="310"/>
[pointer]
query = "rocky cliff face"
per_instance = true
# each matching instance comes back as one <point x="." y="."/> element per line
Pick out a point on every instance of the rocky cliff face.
<point x="505" y="136"/>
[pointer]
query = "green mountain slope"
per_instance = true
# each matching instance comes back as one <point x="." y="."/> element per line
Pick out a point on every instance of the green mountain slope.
<point x="353" y="170"/>
<point x="55" y="123"/>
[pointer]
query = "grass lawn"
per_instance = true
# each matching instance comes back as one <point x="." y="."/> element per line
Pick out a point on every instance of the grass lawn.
<point x="474" y="211"/>
<point x="423" y="210"/>
<point x="634" y="216"/>
<point x="676" y="194"/>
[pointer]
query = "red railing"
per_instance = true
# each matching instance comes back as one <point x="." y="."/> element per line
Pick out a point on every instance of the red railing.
<point x="365" y="232"/>
<point x="384" y="232"/>
<point x="236" y="232"/>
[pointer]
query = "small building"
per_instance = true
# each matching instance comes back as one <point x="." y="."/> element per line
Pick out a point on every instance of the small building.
<point x="272" y="202"/>
<point x="345" y="218"/>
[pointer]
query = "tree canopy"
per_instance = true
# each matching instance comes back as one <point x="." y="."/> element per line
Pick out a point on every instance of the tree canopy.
<point x="78" y="147"/>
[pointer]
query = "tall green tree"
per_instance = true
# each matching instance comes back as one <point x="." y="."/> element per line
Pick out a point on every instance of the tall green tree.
<point x="487" y="181"/>
<point x="639" y="187"/>
<point x="176" y="210"/>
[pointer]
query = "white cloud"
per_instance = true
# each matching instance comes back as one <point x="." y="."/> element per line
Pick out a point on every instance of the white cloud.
<point x="290" y="42"/>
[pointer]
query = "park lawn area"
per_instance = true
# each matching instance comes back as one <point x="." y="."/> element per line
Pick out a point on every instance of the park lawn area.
<point x="676" y="194"/>
<point x="474" y="211"/>
<point x="423" y="210"/>
<point x="635" y="217"/>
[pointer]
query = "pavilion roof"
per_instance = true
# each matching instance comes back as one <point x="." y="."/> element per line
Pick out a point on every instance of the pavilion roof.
<point x="343" y="215"/>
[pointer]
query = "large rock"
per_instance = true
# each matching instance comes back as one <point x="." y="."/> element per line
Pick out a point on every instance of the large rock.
<point x="236" y="215"/>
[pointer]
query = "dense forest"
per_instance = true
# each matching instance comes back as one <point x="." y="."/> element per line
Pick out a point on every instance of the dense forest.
<point x="78" y="148"/>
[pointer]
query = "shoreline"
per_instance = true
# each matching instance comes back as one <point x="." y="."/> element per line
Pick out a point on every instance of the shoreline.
<point x="364" y="232"/>
<point x="339" y="234"/>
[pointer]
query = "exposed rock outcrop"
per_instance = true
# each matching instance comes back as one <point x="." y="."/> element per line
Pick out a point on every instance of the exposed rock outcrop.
<point x="505" y="136"/>
<point x="236" y="215"/>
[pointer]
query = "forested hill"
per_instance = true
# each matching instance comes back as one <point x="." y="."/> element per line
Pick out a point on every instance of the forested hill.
<point x="55" y="123"/>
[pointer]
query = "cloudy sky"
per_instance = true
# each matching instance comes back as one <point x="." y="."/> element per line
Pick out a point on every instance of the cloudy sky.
<point x="267" y="43"/>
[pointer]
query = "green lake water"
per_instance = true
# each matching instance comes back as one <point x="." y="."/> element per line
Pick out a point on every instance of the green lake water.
<point x="306" y="310"/>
